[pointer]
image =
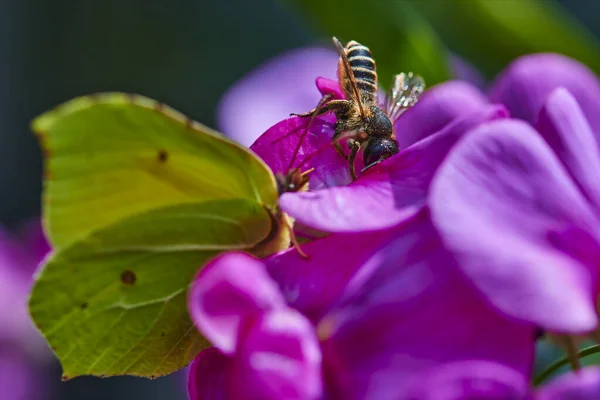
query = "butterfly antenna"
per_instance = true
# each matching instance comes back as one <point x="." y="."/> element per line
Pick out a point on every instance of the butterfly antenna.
<point x="320" y="105"/>
<point x="308" y="171"/>
<point x="293" y="239"/>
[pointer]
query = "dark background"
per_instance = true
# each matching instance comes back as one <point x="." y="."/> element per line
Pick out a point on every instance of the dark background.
<point x="182" y="52"/>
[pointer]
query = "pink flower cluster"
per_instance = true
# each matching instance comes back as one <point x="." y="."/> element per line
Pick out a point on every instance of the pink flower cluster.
<point x="431" y="275"/>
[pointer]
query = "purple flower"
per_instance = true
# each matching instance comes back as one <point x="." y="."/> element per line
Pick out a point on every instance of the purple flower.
<point x="363" y="318"/>
<point x="19" y="341"/>
<point x="483" y="380"/>
<point x="382" y="196"/>
<point x="518" y="203"/>
<point x="388" y="193"/>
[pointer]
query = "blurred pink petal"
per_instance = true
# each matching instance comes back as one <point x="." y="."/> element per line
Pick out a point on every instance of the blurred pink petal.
<point x="230" y="290"/>
<point x="283" y="85"/>
<point x="580" y="385"/>
<point x="470" y="380"/>
<point x="208" y="376"/>
<point x="279" y="358"/>
<point x="525" y="85"/>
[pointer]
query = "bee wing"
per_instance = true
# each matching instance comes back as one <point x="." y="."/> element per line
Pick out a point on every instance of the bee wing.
<point x="404" y="93"/>
<point x="347" y="71"/>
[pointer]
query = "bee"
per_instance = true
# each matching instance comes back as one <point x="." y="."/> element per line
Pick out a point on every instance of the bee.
<point x="359" y="116"/>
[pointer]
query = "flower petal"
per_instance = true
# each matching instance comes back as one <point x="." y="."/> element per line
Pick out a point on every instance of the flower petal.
<point x="279" y="358"/>
<point x="562" y="123"/>
<point x="329" y="86"/>
<point x="388" y="193"/>
<point x="470" y="380"/>
<point x="231" y="289"/>
<point x="524" y="86"/>
<point x="580" y="385"/>
<point x="15" y="281"/>
<point x="439" y="106"/>
<point x="208" y="375"/>
<point x="283" y="85"/>
<point x="18" y="376"/>
<point x="278" y="147"/>
<point x="412" y="309"/>
<point x="517" y="226"/>
<point x="34" y="242"/>
<point x="312" y="285"/>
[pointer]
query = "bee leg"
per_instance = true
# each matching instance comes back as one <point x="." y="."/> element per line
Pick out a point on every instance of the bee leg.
<point x="353" y="152"/>
<point x="321" y="108"/>
<point x="337" y="106"/>
<point x="339" y="129"/>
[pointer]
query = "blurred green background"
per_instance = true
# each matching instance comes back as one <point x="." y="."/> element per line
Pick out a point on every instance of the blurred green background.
<point x="188" y="52"/>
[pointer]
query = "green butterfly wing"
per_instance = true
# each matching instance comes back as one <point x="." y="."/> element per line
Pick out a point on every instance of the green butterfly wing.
<point x="136" y="199"/>
<point x="114" y="155"/>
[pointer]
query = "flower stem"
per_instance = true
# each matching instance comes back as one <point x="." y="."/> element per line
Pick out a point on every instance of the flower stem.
<point x="564" y="361"/>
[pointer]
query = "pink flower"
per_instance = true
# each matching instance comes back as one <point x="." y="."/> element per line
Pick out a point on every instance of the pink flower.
<point x="517" y="203"/>
<point x="19" y="341"/>
<point x="355" y="321"/>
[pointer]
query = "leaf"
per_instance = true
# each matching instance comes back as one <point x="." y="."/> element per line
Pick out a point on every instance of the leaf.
<point x="399" y="38"/>
<point x="493" y="33"/>
<point x="114" y="303"/>
<point x="113" y="155"/>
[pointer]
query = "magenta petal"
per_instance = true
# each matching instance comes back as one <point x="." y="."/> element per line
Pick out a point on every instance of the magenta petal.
<point x="410" y="310"/>
<point x="563" y="125"/>
<point x="312" y="285"/>
<point x="208" y="375"/>
<point x="329" y="86"/>
<point x="278" y="359"/>
<point x="470" y="380"/>
<point x="278" y="147"/>
<point x="439" y="106"/>
<point x="509" y="212"/>
<point x="283" y="85"/>
<point x="580" y="385"/>
<point x="388" y="193"/>
<point x="528" y="81"/>
<point x="231" y="289"/>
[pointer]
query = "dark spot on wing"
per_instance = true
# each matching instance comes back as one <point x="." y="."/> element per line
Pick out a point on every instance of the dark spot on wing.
<point x="162" y="156"/>
<point x="128" y="277"/>
<point x="83" y="306"/>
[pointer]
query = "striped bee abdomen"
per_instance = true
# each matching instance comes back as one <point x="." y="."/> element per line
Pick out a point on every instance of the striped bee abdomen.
<point x="363" y="68"/>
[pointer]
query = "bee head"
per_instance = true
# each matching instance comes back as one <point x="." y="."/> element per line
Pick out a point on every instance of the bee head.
<point x="378" y="149"/>
<point x="379" y="123"/>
